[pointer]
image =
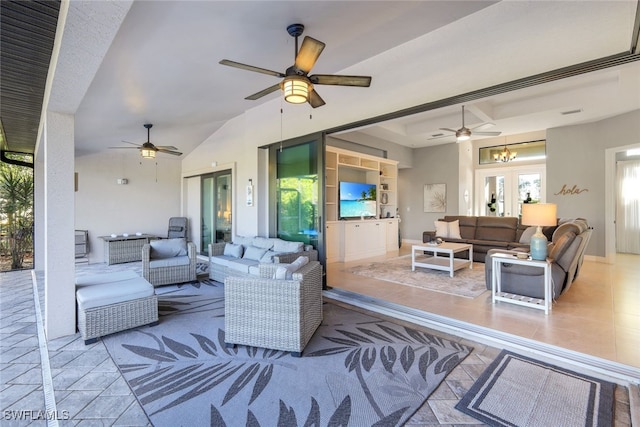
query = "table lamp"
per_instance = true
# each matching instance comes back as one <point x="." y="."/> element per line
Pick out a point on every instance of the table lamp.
<point x="539" y="215"/>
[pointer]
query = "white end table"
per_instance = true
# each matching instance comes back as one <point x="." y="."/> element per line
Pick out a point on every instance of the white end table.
<point x="497" y="260"/>
<point x="446" y="263"/>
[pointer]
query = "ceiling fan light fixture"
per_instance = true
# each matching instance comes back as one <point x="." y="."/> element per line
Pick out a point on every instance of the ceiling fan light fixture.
<point x="463" y="134"/>
<point x="296" y="89"/>
<point x="147" y="151"/>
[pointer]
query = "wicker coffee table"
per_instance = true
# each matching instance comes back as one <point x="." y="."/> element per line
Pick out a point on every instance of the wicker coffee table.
<point x="442" y="257"/>
<point x="121" y="249"/>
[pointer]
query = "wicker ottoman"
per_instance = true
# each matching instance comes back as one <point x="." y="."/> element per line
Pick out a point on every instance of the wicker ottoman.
<point x="109" y="303"/>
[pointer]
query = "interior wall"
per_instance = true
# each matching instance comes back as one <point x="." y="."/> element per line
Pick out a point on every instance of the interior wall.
<point x="145" y="204"/>
<point x="576" y="169"/>
<point x="437" y="165"/>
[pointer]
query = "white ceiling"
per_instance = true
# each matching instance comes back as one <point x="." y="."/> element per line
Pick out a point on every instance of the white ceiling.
<point x="157" y="62"/>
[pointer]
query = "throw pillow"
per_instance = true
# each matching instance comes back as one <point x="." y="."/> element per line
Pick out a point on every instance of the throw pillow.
<point x="561" y="244"/>
<point x="253" y="253"/>
<point x="167" y="248"/>
<point x="233" y="250"/>
<point x="267" y="258"/>
<point x="526" y="234"/>
<point x="448" y="229"/>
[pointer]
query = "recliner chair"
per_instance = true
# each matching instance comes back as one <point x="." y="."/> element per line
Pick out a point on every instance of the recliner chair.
<point x="566" y="250"/>
<point x="178" y="227"/>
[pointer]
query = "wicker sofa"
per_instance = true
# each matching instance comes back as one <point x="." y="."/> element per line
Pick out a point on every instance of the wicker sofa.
<point x="169" y="261"/>
<point x="243" y="256"/>
<point x="486" y="233"/>
<point x="279" y="314"/>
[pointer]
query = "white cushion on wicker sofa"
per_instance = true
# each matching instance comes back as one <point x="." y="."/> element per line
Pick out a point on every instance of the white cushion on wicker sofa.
<point x="100" y="295"/>
<point x="169" y="262"/>
<point x="98" y="279"/>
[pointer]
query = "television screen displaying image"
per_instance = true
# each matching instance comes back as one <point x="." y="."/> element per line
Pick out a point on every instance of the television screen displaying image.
<point x="357" y="199"/>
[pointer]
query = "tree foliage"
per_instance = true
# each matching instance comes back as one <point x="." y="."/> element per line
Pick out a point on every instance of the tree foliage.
<point x="16" y="212"/>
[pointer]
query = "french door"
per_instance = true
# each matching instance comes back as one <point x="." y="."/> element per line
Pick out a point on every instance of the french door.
<point x="217" y="214"/>
<point x="501" y="191"/>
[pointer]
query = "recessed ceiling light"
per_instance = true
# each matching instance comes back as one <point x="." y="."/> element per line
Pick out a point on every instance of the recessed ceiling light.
<point x="564" y="113"/>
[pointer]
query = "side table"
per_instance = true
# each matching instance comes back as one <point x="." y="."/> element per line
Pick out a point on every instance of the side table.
<point x="121" y="249"/>
<point x="496" y="277"/>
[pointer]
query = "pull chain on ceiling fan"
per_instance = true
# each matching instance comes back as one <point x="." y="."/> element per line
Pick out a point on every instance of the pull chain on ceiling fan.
<point x="296" y="85"/>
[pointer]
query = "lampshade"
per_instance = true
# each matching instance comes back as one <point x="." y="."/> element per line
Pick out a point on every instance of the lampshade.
<point x="296" y="89"/>
<point x="539" y="214"/>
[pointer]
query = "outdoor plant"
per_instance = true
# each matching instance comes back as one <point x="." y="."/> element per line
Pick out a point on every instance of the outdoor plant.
<point x="16" y="213"/>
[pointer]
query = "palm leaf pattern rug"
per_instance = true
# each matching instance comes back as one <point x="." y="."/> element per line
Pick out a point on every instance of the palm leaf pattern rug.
<point x="357" y="370"/>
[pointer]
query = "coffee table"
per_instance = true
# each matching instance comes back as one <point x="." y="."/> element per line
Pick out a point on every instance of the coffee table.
<point x="439" y="262"/>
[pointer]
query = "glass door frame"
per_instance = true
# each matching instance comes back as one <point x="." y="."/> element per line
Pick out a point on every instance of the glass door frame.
<point x="510" y="174"/>
<point x="319" y="139"/>
<point x="215" y="175"/>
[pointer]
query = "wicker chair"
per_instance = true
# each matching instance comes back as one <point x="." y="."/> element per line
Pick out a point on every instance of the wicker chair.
<point x="169" y="270"/>
<point x="271" y="313"/>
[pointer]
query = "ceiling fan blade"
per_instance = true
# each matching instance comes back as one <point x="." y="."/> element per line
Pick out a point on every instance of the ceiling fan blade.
<point x="483" y="126"/>
<point x="332" y="79"/>
<point x="441" y="136"/>
<point x="308" y="54"/>
<point x="174" y="153"/>
<point x="487" y="133"/>
<point x="136" y="148"/>
<point x="251" y="68"/>
<point x="132" y="143"/>
<point x="315" y="100"/>
<point x="263" y="92"/>
<point x="166" y="147"/>
<point x="449" y="130"/>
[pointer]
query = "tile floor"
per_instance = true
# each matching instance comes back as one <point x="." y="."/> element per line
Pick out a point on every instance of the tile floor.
<point x="88" y="389"/>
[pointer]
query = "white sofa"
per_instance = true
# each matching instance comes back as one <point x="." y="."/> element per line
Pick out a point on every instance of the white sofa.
<point x="245" y="254"/>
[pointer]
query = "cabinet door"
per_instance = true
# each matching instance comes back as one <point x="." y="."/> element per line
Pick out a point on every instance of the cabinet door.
<point x="392" y="235"/>
<point x="353" y="244"/>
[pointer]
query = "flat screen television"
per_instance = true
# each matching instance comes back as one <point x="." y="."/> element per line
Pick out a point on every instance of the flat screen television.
<point x="357" y="199"/>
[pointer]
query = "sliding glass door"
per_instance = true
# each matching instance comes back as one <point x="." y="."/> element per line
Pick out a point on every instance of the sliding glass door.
<point x="217" y="212"/>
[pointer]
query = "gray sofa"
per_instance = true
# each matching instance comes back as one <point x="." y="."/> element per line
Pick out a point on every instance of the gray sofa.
<point x="566" y="252"/>
<point x="245" y="254"/>
<point x="486" y="233"/>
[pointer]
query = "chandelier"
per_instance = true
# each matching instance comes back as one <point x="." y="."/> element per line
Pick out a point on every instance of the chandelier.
<point x="505" y="156"/>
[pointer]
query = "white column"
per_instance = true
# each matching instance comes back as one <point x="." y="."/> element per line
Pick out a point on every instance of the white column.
<point x="59" y="212"/>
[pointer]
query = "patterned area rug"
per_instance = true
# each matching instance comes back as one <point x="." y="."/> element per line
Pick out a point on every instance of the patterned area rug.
<point x="357" y="370"/>
<point x="468" y="283"/>
<point x="519" y="391"/>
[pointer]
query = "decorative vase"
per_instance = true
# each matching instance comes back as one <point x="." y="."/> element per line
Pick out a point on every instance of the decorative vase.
<point x="385" y="198"/>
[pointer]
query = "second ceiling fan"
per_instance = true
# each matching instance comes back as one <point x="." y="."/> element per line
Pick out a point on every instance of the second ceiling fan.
<point x="297" y="85"/>
<point x="464" y="133"/>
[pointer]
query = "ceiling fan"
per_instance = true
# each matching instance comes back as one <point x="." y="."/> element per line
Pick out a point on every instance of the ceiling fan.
<point x="296" y="84"/>
<point x="464" y="133"/>
<point x="148" y="150"/>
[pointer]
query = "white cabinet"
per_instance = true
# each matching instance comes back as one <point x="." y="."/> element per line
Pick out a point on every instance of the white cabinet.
<point x="364" y="239"/>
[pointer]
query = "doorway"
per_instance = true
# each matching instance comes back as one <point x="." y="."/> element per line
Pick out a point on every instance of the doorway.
<point x="217" y="213"/>
<point x="502" y="191"/>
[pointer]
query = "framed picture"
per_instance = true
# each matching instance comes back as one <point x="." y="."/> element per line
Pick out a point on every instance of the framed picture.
<point x="250" y="195"/>
<point x="435" y="197"/>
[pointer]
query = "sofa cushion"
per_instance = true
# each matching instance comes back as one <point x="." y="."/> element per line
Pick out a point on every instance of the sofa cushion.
<point x="113" y="293"/>
<point x="169" y="262"/>
<point x="254" y="253"/>
<point x="244" y="241"/>
<point x="561" y="244"/>
<point x="233" y="250"/>
<point x="284" y="246"/>
<point x="267" y="258"/>
<point x="496" y="228"/>
<point x="526" y="235"/>
<point x="263" y="242"/>
<point x="448" y="229"/>
<point x="242" y="265"/>
<point x="99" y="279"/>
<point x="167" y="248"/>
<point x="222" y="260"/>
